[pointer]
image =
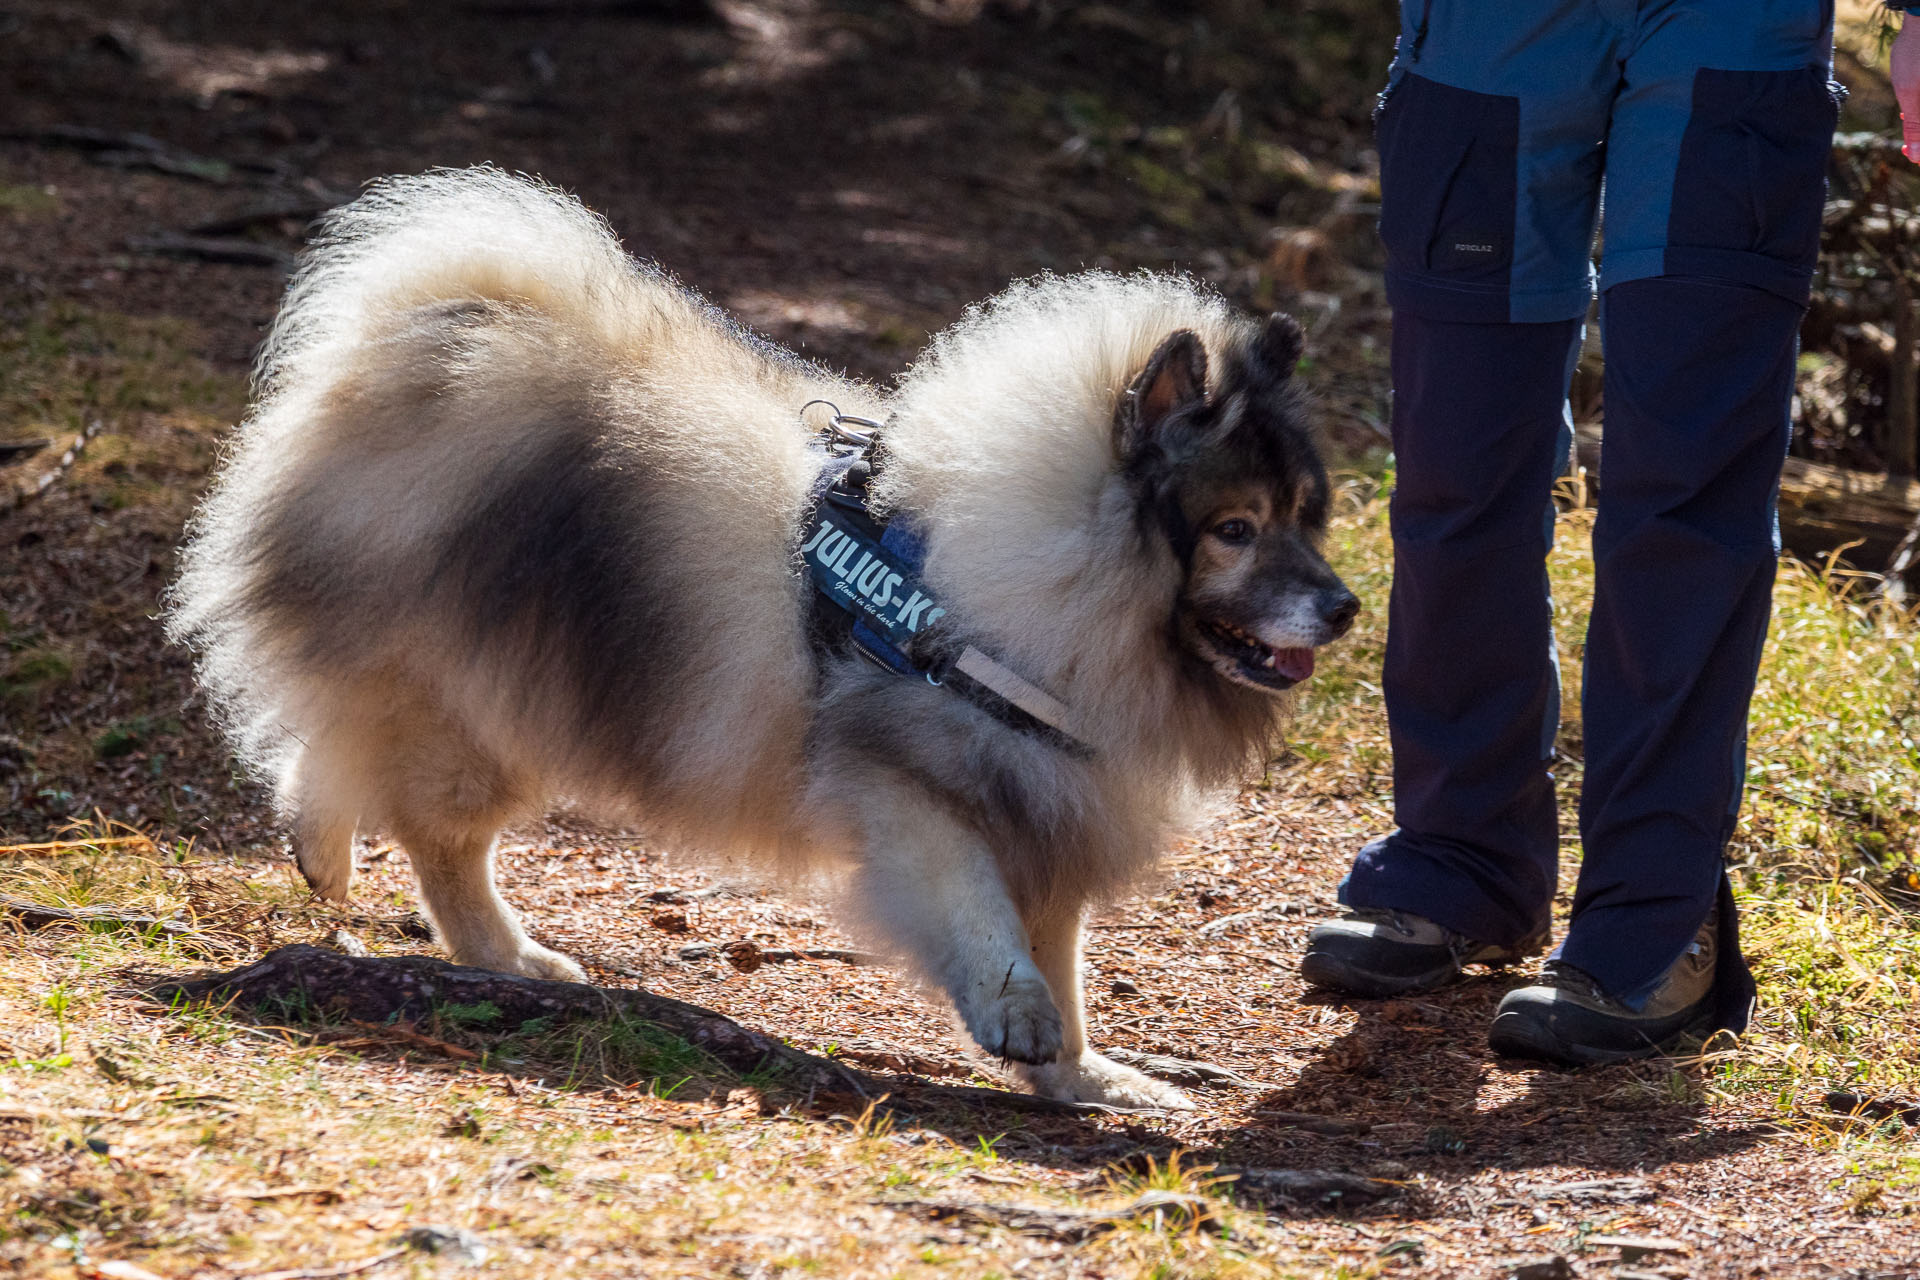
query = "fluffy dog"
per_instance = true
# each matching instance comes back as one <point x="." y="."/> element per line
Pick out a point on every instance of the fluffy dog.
<point x="514" y="516"/>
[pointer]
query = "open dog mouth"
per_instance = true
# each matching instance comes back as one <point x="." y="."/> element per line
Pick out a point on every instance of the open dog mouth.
<point x="1255" y="662"/>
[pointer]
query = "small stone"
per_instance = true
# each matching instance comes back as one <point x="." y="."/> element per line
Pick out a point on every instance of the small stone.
<point x="453" y="1243"/>
<point x="345" y="943"/>
<point x="1124" y="987"/>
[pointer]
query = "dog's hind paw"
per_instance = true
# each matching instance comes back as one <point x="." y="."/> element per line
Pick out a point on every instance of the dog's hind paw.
<point x="1019" y="1024"/>
<point x="1101" y="1080"/>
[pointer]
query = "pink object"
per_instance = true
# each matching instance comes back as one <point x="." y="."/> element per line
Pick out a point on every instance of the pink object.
<point x="1903" y="68"/>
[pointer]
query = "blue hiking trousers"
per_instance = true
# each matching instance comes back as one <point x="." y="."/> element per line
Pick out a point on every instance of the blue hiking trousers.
<point x="1707" y="124"/>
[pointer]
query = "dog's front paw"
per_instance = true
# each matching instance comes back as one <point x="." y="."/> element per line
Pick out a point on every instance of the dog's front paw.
<point x="1101" y="1080"/>
<point x="1019" y="1023"/>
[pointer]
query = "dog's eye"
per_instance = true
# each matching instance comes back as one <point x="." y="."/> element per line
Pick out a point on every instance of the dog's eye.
<point x="1234" y="532"/>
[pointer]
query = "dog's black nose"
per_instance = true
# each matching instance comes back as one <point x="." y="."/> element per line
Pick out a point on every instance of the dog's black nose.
<point x="1340" y="608"/>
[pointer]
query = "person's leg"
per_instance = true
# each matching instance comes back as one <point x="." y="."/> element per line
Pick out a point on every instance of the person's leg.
<point x="1699" y="377"/>
<point x="1490" y="174"/>
<point x="1471" y="687"/>
<point x="1715" y="183"/>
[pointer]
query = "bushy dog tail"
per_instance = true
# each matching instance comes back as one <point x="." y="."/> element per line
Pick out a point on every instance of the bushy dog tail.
<point x="453" y="236"/>
<point x="458" y="314"/>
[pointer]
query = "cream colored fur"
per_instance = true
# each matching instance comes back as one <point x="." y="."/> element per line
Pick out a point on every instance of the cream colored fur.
<point x="447" y="335"/>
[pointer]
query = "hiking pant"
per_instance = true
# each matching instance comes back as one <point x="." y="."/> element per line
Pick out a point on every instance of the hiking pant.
<point x="1708" y="124"/>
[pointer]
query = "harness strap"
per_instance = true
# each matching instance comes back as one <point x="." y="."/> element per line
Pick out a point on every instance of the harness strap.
<point x="868" y="596"/>
<point x="1003" y="694"/>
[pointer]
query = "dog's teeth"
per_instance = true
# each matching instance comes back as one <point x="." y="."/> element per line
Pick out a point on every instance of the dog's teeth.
<point x="1270" y="659"/>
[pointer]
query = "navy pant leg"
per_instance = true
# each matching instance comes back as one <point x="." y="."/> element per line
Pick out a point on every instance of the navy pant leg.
<point x="1699" y="377"/>
<point x="1472" y="689"/>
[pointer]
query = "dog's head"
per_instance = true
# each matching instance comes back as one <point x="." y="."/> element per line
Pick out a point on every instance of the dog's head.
<point x="1231" y="480"/>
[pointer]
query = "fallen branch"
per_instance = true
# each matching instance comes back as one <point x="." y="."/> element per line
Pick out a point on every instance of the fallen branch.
<point x="64" y="846"/>
<point x="406" y="1034"/>
<point x="1329" y="1126"/>
<point x="320" y="1191"/>
<point x="329" y="1273"/>
<point x="1069" y="1225"/>
<point x="23" y="493"/>
<point x="303" y="208"/>
<point x="388" y="990"/>
<point x="127" y="151"/>
<point x="1320" y="1187"/>
<point x="1598" y="1191"/>
<point x="32" y="915"/>
<point x="1214" y="928"/>
<point x="747" y="955"/>
<point x="11" y="449"/>
<point x="233" y="249"/>
<point x="1184" y="1070"/>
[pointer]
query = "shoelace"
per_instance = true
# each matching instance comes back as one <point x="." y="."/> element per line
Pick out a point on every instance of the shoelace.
<point x="1395" y="920"/>
<point x="1566" y="977"/>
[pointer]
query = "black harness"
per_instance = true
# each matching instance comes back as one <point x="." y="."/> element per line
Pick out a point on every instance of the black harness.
<point x="869" y="597"/>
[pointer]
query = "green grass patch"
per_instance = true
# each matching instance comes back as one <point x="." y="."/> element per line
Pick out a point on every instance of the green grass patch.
<point x="24" y="200"/>
<point x="617" y="1050"/>
<point x="31" y="670"/>
<point x="64" y="365"/>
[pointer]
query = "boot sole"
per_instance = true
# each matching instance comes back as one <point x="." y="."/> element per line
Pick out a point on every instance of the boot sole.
<point x="1325" y="969"/>
<point x="1517" y="1036"/>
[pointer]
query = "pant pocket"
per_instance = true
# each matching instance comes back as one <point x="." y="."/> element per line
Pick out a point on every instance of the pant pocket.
<point x="1752" y="177"/>
<point x="1448" y="181"/>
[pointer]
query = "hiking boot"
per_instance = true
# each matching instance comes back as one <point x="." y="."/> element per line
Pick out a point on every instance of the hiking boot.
<point x="1568" y="1019"/>
<point x="1394" y="953"/>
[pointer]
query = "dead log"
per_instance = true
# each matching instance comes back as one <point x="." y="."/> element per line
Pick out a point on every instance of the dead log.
<point x="392" y="989"/>
<point x="32" y="915"/>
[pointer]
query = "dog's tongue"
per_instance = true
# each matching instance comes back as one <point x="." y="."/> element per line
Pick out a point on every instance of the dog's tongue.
<point x="1294" y="664"/>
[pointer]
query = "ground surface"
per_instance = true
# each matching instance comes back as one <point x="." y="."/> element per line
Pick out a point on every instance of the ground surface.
<point x="846" y="178"/>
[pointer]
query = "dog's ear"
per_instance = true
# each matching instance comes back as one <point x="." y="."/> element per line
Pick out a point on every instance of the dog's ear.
<point x="1279" y="346"/>
<point x="1174" y="379"/>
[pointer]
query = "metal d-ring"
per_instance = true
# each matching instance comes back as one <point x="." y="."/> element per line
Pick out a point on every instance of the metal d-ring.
<point x="837" y="425"/>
